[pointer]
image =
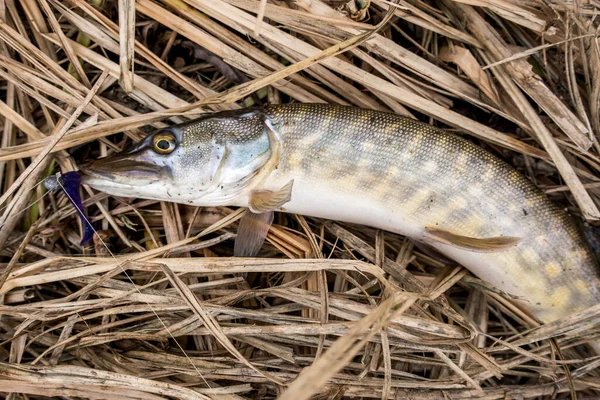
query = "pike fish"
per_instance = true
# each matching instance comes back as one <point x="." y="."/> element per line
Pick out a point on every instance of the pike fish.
<point x="372" y="168"/>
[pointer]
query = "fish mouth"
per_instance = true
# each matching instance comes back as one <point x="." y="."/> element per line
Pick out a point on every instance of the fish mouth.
<point x="121" y="169"/>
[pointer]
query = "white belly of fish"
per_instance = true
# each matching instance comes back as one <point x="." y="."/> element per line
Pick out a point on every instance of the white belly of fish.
<point x="320" y="201"/>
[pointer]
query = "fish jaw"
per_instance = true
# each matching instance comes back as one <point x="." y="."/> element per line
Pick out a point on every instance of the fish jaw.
<point x="112" y="187"/>
<point x="119" y="176"/>
<point x="120" y="171"/>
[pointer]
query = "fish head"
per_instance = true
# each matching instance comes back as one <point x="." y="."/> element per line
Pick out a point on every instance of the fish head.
<point x="209" y="161"/>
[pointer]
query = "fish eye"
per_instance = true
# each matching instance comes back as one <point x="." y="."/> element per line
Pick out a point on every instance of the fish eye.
<point x="164" y="144"/>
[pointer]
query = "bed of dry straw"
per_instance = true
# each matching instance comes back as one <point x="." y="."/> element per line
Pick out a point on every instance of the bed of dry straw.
<point x="329" y="310"/>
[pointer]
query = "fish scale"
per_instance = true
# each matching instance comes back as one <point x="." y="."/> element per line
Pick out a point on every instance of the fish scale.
<point x="426" y="173"/>
<point x="389" y="172"/>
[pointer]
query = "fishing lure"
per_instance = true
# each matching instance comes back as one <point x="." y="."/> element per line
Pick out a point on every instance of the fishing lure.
<point x="70" y="184"/>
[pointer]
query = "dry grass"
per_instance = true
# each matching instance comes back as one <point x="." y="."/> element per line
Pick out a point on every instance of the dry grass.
<point x="156" y="308"/>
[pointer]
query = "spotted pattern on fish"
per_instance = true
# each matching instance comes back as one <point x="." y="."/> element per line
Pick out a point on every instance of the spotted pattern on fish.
<point x="442" y="180"/>
<point x="383" y="170"/>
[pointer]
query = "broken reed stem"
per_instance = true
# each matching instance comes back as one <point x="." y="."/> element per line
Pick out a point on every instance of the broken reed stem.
<point x="126" y="40"/>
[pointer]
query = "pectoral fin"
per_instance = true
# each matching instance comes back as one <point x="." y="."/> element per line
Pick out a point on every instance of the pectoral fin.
<point x="251" y="233"/>
<point x="256" y="222"/>
<point x="268" y="200"/>
<point x="483" y="245"/>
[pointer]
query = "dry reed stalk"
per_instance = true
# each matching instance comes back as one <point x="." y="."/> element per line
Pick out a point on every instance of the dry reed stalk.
<point x="126" y="40"/>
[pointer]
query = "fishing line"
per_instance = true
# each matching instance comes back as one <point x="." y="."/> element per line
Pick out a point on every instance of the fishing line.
<point x="33" y="203"/>
<point x="134" y="285"/>
<point x="32" y="188"/>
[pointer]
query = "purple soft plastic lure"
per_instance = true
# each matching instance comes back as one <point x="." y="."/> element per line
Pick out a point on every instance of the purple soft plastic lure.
<point x="70" y="183"/>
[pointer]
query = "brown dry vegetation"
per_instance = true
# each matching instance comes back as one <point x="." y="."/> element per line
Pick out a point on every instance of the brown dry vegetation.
<point x="157" y="308"/>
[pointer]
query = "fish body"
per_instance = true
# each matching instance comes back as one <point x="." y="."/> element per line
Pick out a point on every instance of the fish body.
<point x="377" y="169"/>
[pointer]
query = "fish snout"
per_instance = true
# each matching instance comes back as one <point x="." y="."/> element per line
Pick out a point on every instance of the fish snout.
<point x="122" y="169"/>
